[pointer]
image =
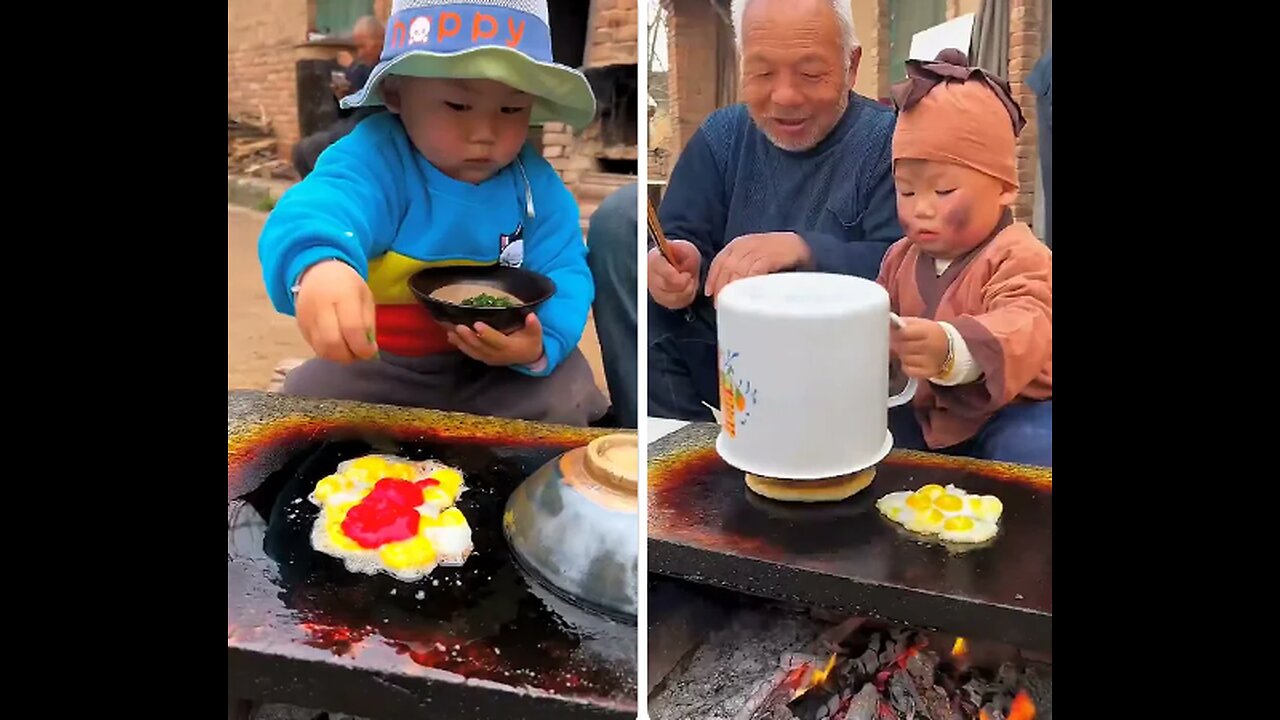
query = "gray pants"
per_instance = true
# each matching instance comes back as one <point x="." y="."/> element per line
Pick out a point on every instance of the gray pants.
<point x="453" y="381"/>
<point x="611" y="253"/>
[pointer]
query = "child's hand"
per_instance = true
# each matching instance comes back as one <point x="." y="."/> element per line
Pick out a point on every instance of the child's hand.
<point x="921" y="346"/>
<point x="673" y="286"/>
<point x="522" y="347"/>
<point x="335" y="312"/>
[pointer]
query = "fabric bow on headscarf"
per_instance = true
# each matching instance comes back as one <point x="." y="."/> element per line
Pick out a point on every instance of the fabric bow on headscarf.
<point x="950" y="112"/>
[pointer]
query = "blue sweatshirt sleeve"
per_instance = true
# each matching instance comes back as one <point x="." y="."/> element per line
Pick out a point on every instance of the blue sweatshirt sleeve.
<point x="879" y="227"/>
<point x="347" y="209"/>
<point x="555" y="248"/>
<point x="693" y="205"/>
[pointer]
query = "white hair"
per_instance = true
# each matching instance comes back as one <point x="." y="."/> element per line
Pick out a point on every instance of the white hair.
<point x="844" y="15"/>
<point x="369" y="24"/>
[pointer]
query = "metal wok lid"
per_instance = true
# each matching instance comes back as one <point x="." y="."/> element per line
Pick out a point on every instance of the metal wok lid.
<point x="573" y="524"/>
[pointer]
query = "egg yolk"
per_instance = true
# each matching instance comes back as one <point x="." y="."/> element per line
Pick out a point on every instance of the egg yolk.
<point x="330" y="486"/>
<point x="931" y="490"/>
<point x="435" y="496"/>
<point x="948" y="503"/>
<point x="335" y="514"/>
<point x="450" y="480"/>
<point x="339" y="539"/>
<point x="987" y="507"/>
<point x="372" y="465"/>
<point x="452" y="516"/>
<point x="919" y="501"/>
<point x="929" y="518"/>
<point x="360" y="476"/>
<point x="960" y="523"/>
<point x="399" y="471"/>
<point x="415" y="552"/>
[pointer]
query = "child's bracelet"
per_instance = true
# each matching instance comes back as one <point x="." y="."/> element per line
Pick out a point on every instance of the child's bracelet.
<point x="949" y="363"/>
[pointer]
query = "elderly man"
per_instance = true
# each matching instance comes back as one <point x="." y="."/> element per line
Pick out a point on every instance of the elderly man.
<point x="367" y="36"/>
<point x="798" y="177"/>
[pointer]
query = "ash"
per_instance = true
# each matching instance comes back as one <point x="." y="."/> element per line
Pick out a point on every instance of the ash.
<point x="728" y="672"/>
<point x="282" y="711"/>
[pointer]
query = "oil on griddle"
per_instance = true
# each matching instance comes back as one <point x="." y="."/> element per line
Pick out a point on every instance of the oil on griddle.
<point x="704" y="524"/>
<point x="485" y="620"/>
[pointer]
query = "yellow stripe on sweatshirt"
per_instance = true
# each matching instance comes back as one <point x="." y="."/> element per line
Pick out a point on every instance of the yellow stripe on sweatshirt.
<point x="389" y="276"/>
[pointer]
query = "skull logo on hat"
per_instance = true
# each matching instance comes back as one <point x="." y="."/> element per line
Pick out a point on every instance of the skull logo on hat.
<point x="419" y="30"/>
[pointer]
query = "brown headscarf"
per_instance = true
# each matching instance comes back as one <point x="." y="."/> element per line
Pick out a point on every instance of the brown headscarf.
<point x="950" y="112"/>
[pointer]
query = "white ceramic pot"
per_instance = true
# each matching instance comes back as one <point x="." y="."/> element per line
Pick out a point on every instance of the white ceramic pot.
<point x="804" y="375"/>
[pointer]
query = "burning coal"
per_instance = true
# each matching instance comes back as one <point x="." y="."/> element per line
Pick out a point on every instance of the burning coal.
<point x="893" y="674"/>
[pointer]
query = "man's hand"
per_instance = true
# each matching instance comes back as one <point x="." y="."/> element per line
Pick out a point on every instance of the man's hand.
<point x="921" y="346"/>
<point x="756" y="254"/>
<point x="335" y="312"/>
<point x="483" y="343"/>
<point x="673" y="286"/>
<point x="341" y="88"/>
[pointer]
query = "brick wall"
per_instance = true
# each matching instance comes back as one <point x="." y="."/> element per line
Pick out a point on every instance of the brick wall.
<point x="261" y="35"/>
<point x="612" y="38"/>
<point x="1024" y="52"/>
<point x="867" y="16"/>
<point x="883" y="40"/>
<point x="575" y="157"/>
<point x="691" y="79"/>
<point x="871" y="18"/>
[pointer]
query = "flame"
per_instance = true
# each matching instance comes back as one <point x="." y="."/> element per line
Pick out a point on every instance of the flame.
<point x="1022" y="708"/>
<point x="820" y="675"/>
<point x="960" y="648"/>
<point x="795" y="676"/>
<point x="815" y="678"/>
<point x="911" y="652"/>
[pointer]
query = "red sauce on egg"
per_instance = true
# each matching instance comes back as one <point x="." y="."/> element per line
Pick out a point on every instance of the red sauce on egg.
<point x="386" y="515"/>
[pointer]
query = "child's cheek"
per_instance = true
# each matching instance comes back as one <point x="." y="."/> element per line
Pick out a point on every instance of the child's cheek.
<point x="905" y="213"/>
<point x="956" y="218"/>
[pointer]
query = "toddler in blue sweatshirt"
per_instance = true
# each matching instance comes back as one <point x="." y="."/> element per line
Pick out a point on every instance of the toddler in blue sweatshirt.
<point x="444" y="178"/>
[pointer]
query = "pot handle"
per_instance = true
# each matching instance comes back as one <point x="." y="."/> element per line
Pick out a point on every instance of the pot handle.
<point x="715" y="412"/>
<point x="905" y="396"/>
<point x="909" y="391"/>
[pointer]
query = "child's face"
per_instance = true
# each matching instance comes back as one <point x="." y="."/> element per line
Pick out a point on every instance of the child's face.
<point x="469" y="129"/>
<point x="948" y="209"/>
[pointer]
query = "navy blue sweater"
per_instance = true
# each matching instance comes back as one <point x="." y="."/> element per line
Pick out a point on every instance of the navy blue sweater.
<point x="731" y="180"/>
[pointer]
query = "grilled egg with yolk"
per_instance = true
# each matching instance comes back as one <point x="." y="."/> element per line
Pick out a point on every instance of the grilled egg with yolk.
<point x="949" y="513"/>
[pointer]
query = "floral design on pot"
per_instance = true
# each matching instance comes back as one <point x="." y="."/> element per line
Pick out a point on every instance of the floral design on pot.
<point x="737" y="396"/>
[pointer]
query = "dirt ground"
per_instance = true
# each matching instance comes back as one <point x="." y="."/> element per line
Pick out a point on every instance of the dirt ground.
<point x="258" y="337"/>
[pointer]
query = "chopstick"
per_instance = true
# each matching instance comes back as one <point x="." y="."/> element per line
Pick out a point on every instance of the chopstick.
<point x="655" y="232"/>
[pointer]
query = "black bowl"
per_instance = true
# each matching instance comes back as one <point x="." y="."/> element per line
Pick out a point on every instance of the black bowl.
<point x="531" y="288"/>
